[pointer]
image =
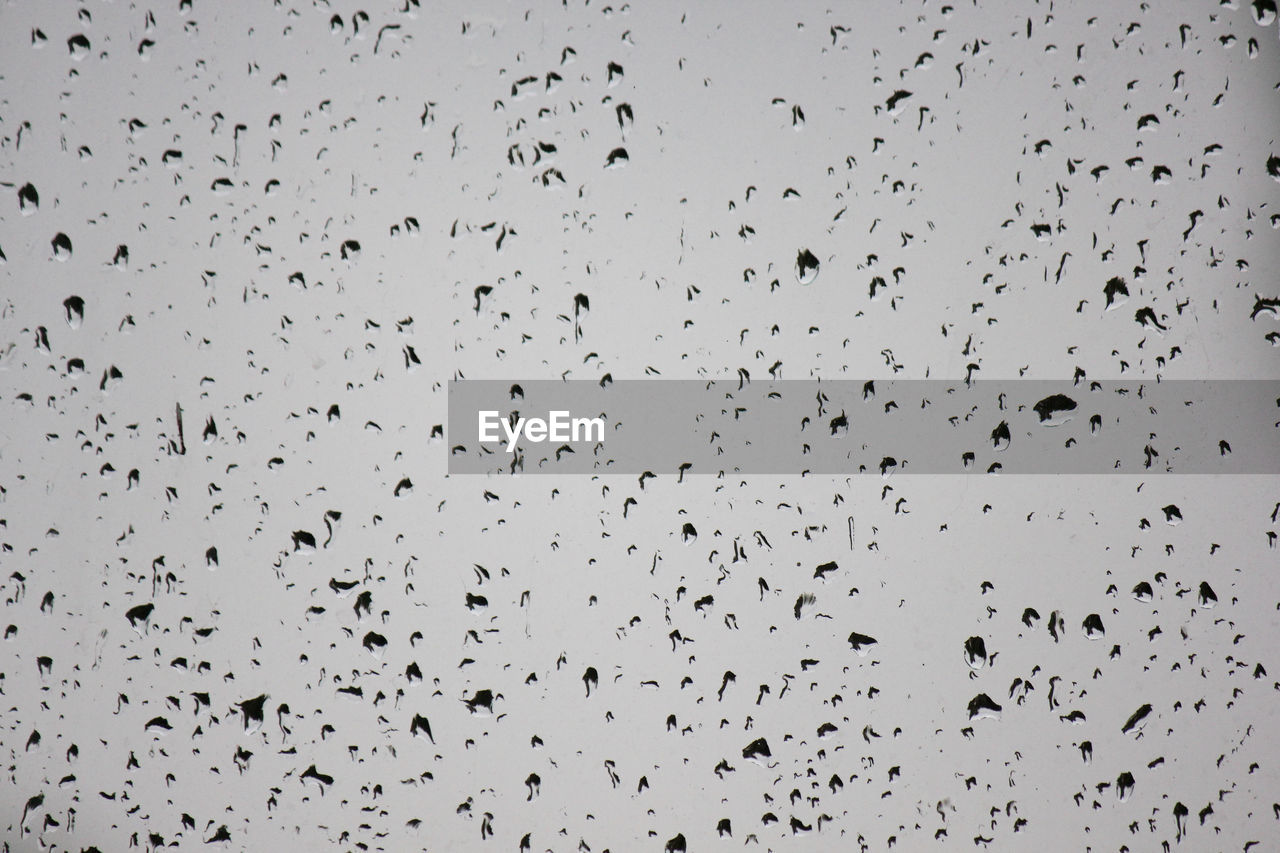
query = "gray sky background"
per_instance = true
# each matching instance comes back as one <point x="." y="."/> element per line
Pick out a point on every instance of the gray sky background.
<point x="291" y="225"/>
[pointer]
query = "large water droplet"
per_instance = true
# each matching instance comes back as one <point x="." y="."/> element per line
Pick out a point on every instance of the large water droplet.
<point x="806" y="266"/>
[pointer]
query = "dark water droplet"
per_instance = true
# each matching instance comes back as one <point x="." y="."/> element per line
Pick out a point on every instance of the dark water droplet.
<point x="806" y="266"/>
<point x="78" y="46"/>
<point x="975" y="652"/>
<point x="28" y="199"/>
<point x="74" y="307"/>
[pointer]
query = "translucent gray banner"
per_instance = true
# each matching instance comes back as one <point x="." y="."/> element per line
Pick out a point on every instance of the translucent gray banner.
<point x="865" y="427"/>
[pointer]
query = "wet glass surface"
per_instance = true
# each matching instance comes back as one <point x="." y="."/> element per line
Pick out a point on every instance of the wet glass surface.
<point x="245" y="247"/>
